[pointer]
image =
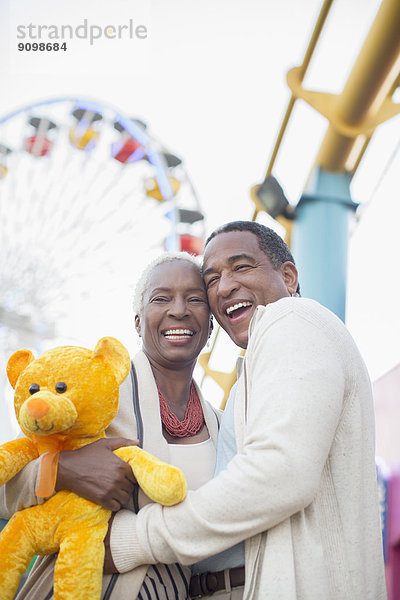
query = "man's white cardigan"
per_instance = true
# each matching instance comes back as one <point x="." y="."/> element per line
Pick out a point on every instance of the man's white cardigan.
<point x="302" y="488"/>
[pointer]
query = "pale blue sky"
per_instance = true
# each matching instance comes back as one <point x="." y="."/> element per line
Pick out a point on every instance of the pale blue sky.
<point x="210" y="79"/>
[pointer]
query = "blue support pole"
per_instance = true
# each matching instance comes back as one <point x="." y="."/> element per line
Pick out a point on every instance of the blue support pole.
<point x="320" y="238"/>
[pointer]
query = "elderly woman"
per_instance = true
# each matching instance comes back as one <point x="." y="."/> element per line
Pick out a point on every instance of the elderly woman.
<point x="161" y="406"/>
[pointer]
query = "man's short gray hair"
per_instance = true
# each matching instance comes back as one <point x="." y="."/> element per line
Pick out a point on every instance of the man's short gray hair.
<point x="143" y="281"/>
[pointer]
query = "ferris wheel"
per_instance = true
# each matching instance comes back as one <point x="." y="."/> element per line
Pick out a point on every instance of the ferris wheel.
<point x="88" y="196"/>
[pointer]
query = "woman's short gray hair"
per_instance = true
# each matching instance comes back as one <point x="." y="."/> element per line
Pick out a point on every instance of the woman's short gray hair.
<point x="143" y="280"/>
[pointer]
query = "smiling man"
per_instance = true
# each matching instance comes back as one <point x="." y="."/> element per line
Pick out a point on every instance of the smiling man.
<point x="240" y="275"/>
<point x="292" y="513"/>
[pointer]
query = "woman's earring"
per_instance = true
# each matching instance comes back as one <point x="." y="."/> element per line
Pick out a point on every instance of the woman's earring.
<point x="210" y="330"/>
<point x="295" y="295"/>
<point x="139" y="341"/>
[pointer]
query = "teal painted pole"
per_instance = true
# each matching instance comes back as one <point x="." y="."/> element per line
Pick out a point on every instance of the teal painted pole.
<point x="320" y="238"/>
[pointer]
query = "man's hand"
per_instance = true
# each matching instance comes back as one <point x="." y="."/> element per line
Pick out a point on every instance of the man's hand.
<point x="95" y="473"/>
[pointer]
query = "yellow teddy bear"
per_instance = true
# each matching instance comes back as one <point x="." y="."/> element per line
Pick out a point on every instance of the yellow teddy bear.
<point x="64" y="400"/>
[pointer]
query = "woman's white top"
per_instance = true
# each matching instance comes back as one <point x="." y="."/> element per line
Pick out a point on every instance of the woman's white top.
<point x="197" y="461"/>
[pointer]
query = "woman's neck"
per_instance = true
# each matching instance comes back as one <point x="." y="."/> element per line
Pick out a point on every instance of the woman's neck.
<point x="174" y="384"/>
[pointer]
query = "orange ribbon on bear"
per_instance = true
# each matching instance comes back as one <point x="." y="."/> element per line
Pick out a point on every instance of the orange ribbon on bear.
<point x="48" y="474"/>
<point x="49" y="464"/>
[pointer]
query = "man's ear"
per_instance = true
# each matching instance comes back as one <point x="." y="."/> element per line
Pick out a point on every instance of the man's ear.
<point x="290" y="276"/>
<point x="138" y="326"/>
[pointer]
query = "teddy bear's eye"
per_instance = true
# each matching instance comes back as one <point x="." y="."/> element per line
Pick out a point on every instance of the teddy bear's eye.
<point x="61" y="387"/>
<point x="34" y="388"/>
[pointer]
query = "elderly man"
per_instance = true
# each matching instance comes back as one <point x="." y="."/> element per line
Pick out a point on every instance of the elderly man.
<point x="294" y="501"/>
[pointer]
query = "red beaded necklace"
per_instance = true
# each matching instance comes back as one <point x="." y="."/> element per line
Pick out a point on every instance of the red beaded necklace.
<point x="193" y="420"/>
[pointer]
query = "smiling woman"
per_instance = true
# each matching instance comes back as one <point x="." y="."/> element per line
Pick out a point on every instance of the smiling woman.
<point x="162" y="407"/>
<point x="174" y="322"/>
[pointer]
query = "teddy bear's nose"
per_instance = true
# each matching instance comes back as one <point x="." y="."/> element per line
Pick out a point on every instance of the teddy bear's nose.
<point x="37" y="408"/>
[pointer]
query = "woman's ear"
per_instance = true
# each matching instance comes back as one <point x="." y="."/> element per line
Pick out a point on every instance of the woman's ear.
<point x="211" y="326"/>
<point x="290" y="276"/>
<point x="138" y="326"/>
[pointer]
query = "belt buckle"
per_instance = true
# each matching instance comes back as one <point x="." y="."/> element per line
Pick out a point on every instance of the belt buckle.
<point x="201" y="594"/>
<point x="205" y="590"/>
<point x="210" y="590"/>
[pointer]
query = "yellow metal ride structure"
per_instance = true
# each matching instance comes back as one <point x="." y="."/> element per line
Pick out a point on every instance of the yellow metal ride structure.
<point x="353" y="115"/>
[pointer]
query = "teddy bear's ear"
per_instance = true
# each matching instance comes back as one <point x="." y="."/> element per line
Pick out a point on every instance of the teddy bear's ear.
<point x="116" y="355"/>
<point x="17" y="363"/>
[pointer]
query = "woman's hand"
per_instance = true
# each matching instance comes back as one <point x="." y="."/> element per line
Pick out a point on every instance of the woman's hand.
<point x="95" y="473"/>
<point x="109" y="566"/>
